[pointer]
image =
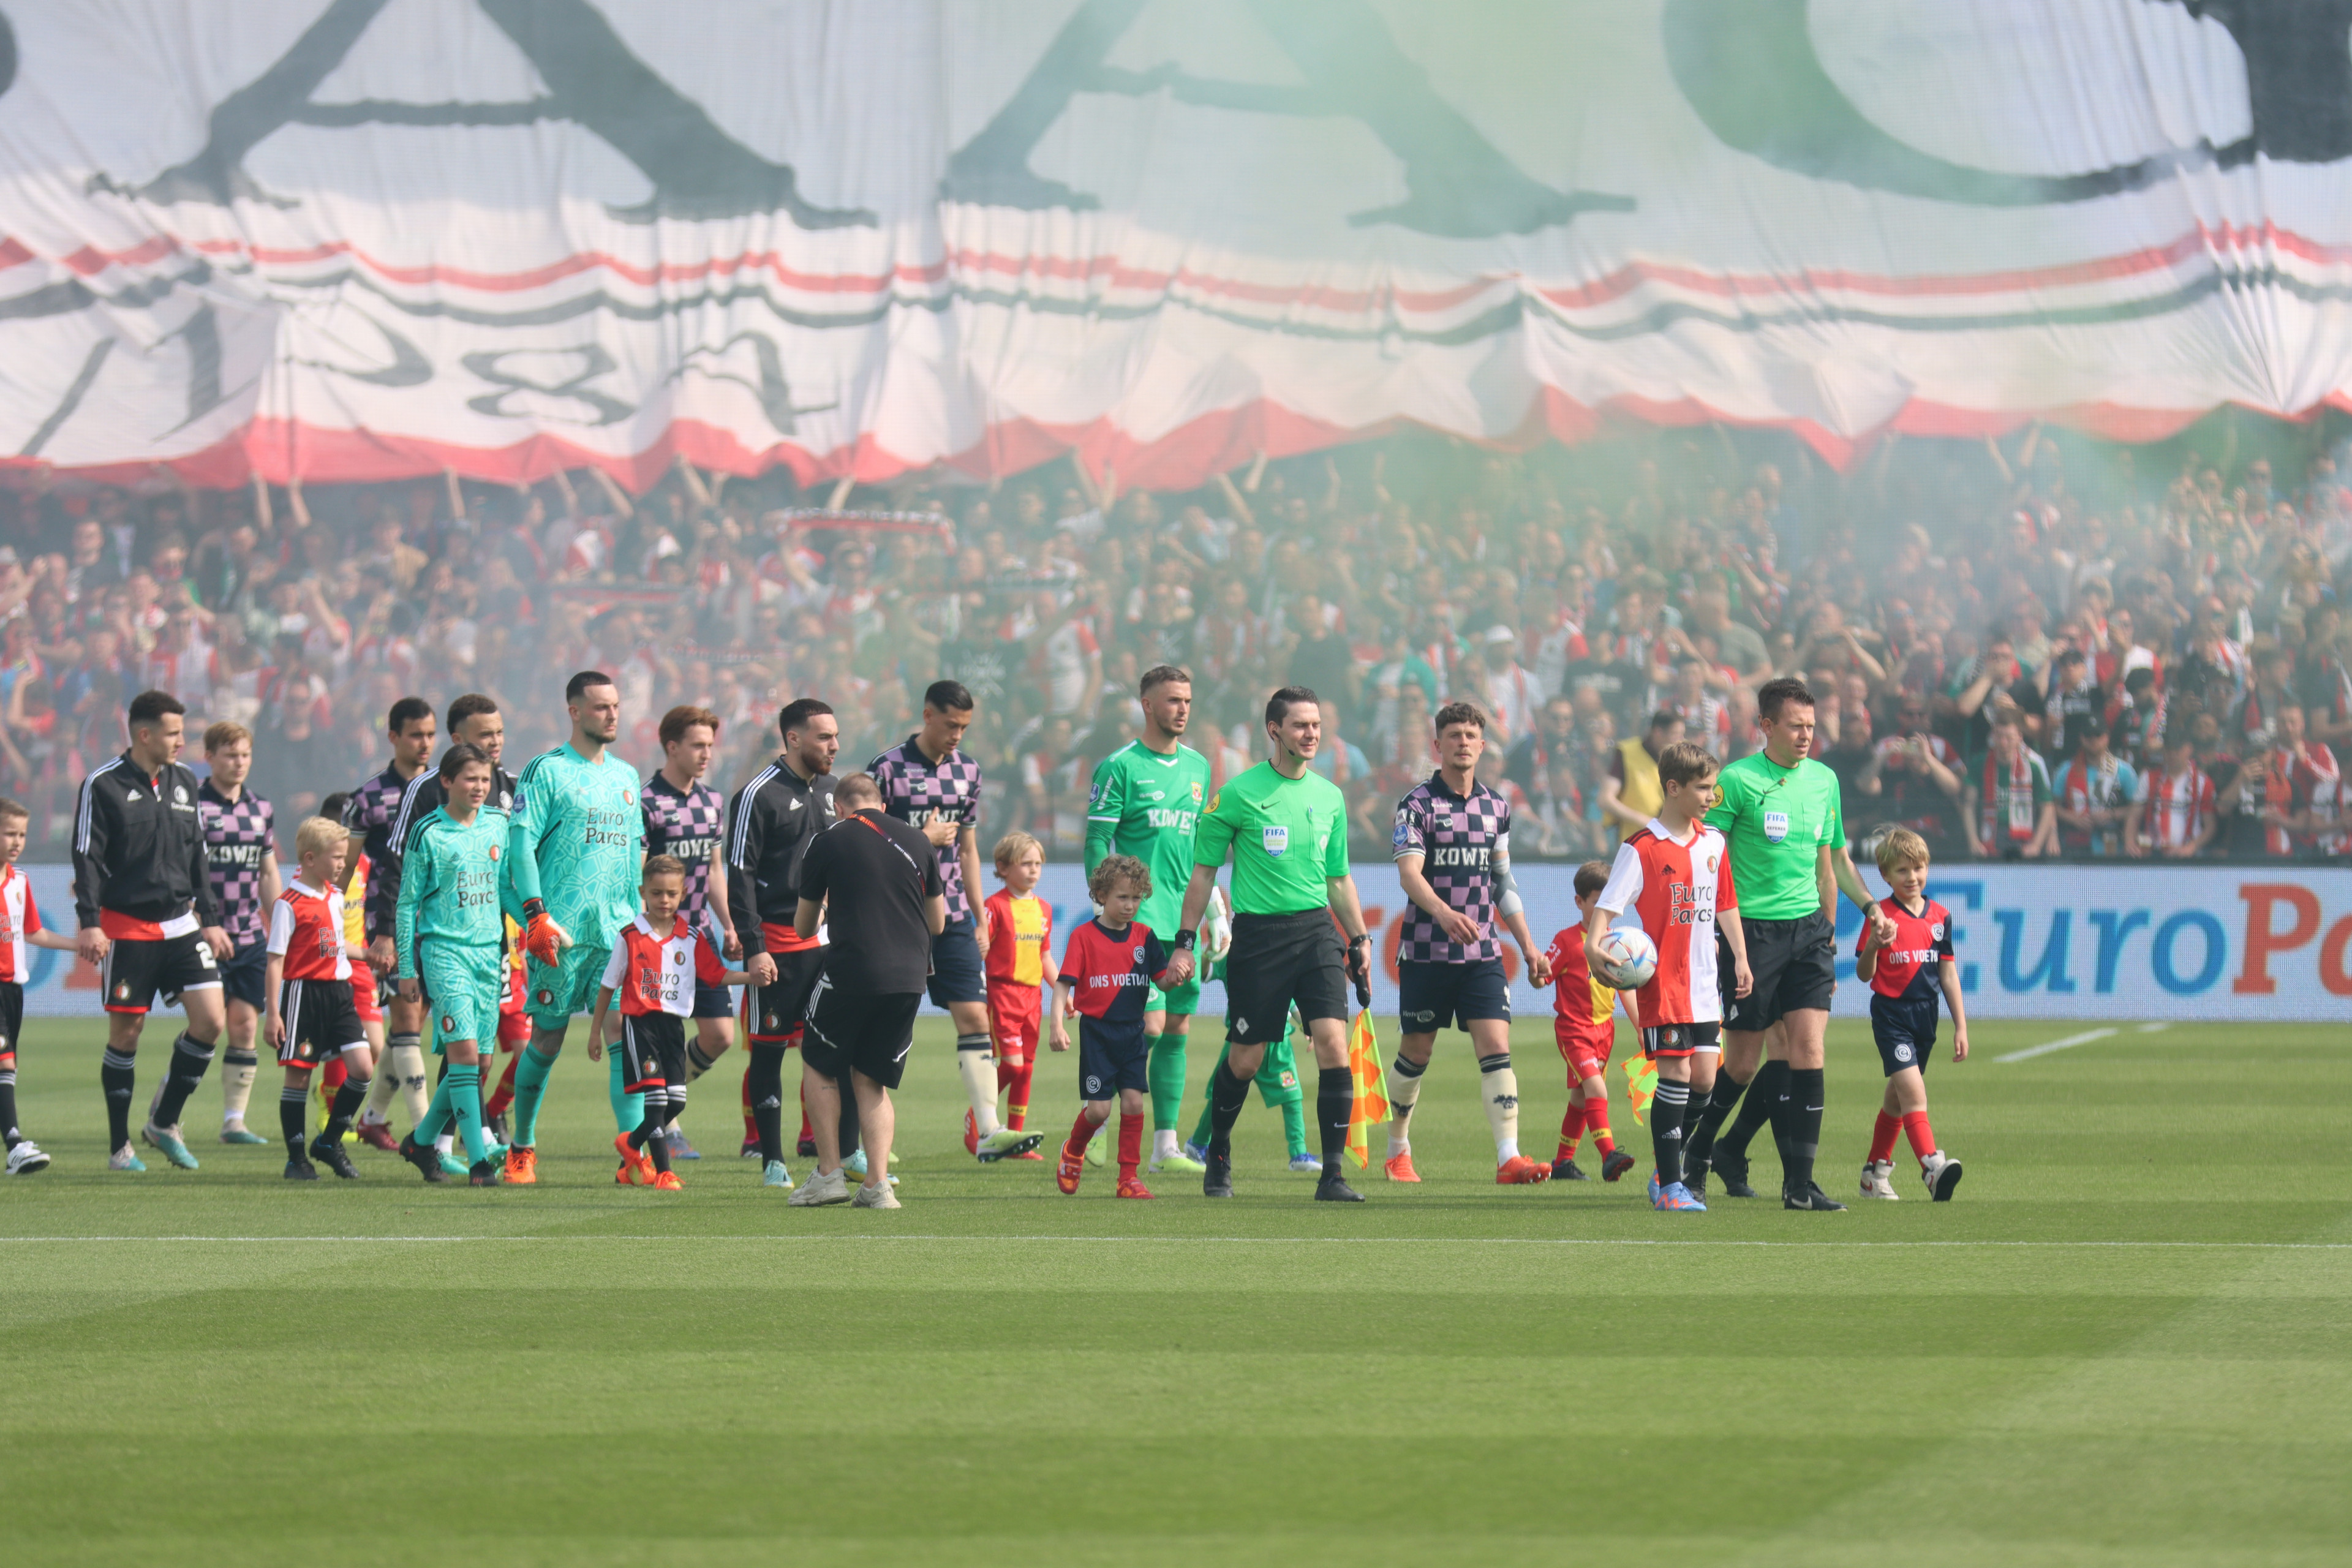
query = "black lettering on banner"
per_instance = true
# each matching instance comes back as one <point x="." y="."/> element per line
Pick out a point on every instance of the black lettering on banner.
<point x="774" y="393"/>
<point x="698" y="171"/>
<point x="7" y="54"/>
<point x="1458" y="183"/>
<point x="594" y="359"/>
<point x="408" y="366"/>
<point x="83" y="378"/>
<point x="1749" y="69"/>
<point x="201" y="331"/>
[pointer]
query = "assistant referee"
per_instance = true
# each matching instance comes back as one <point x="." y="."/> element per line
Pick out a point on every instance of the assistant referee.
<point x="1781" y="817"/>
<point x="1286" y="829"/>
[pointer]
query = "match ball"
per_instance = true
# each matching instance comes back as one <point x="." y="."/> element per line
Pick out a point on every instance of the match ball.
<point x="1632" y="958"/>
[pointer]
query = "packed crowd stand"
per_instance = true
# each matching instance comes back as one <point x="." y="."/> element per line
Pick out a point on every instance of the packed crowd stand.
<point x="2031" y="649"/>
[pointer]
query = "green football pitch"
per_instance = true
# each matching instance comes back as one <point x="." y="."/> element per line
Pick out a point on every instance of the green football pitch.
<point x="2127" y="1340"/>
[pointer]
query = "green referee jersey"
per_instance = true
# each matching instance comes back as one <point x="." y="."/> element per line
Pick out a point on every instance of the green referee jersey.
<point x="577" y="841"/>
<point x="1287" y="838"/>
<point x="1776" y="821"/>
<point x="449" y="885"/>
<point x="1150" y="804"/>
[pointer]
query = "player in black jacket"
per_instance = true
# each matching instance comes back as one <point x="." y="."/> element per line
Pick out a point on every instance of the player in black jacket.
<point x="149" y="921"/>
<point x="770" y="825"/>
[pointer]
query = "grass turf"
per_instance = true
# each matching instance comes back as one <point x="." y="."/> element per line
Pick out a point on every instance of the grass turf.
<point x="2122" y="1343"/>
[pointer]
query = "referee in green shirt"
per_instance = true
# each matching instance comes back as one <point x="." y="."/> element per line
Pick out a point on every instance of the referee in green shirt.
<point x="1286" y="829"/>
<point x="1779" y="813"/>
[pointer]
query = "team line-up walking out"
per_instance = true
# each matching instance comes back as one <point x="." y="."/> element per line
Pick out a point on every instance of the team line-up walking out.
<point x="451" y="901"/>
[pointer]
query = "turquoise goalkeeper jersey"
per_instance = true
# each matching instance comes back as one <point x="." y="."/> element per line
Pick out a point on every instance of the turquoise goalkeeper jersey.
<point x="577" y="841"/>
<point x="449" y="885"/>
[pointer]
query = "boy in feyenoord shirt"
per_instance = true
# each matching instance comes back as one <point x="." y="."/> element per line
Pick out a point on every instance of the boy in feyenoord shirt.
<point x="20" y="932"/>
<point x="658" y="963"/>
<point x="306" y="984"/>
<point x="1106" y="969"/>
<point x="1676" y="879"/>
<point x="1584" y="1023"/>
<point x="366" y="999"/>
<point x="1019" y="972"/>
<point x="1906" y="977"/>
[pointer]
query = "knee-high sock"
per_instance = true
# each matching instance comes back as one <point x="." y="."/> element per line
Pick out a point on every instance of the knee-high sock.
<point x="1334" y="1104"/>
<point x="1666" y="1111"/>
<point x="1294" y="1124"/>
<point x="1916" y="1127"/>
<point x="405" y="1058"/>
<point x="348" y="1100"/>
<point x="1498" y="1089"/>
<point x="531" y="1088"/>
<point x="1596" y="1122"/>
<point x="697" y="1060"/>
<point x="190" y="1057"/>
<point x="1165" y="1074"/>
<point x="378" y="1110"/>
<point x="976" y="1065"/>
<point x="646" y="1136"/>
<point x="239" y="1067"/>
<point x="628" y="1110"/>
<point x="438" y="1113"/>
<point x="751" y="1122"/>
<point x="501" y="1099"/>
<point x="1705" y="1120"/>
<point x="1801" y="1127"/>
<point x="1763" y="1098"/>
<point x="1227" y="1095"/>
<point x="763" y="1080"/>
<point x="1404" y="1093"/>
<point x="118" y="1078"/>
<point x="1082" y="1133"/>
<point x="464" y="1089"/>
<point x="1572" y="1130"/>
<point x="1017" y="1077"/>
<point x="294" y="1120"/>
<point x="1131" y="1145"/>
<point x="1883" y="1133"/>
<point x="8" y="1099"/>
<point x="330" y="1080"/>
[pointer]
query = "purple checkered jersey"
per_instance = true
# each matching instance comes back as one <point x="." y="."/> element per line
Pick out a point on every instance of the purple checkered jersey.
<point x="916" y="789"/>
<point x="370" y="813"/>
<point x="685" y="823"/>
<point x="237" y="834"/>
<point x="1456" y="838"/>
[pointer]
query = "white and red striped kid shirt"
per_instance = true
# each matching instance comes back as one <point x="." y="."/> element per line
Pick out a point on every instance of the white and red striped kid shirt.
<point x="20" y="917"/>
<point x="1675" y="888"/>
<point x="306" y="929"/>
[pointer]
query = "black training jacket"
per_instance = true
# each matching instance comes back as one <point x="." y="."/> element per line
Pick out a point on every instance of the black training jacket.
<point x="139" y="846"/>
<point x="771" y="823"/>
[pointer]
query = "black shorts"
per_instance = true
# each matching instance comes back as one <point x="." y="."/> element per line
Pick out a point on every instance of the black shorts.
<point x="1279" y="960"/>
<point x="956" y="972"/>
<point x="1433" y="996"/>
<point x="864" y="1032"/>
<point x="713" y="1001"/>
<point x="137" y="972"/>
<point x="1112" y="1056"/>
<point x="1682" y="1040"/>
<point x="12" y="1015"/>
<point x="772" y="1014"/>
<point x="1904" y="1032"/>
<point x="245" y="975"/>
<point x="653" y="1050"/>
<point x="1795" y="966"/>
<point x="321" y="1021"/>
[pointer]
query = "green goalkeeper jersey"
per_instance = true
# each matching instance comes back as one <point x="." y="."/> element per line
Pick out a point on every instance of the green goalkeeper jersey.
<point x="1148" y="804"/>
<point x="577" y="841"/>
<point x="449" y="884"/>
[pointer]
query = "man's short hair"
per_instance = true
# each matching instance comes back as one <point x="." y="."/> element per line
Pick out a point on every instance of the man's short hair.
<point x="1778" y="693"/>
<point x="472" y="705"/>
<point x="1664" y="719"/>
<point x="578" y="685"/>
<point x="2003" y="716"/>
<point x="405" y="713"/>
<point x="1591" y="878"/>
<point x="856" y="791"/>
<point x="947" y="697"/>
<point x="17" y="811"/>
<point x="661" y="866"/>
<point x="1012" y="846"/>
<point x="1455" y="713"/>
<point x="1113" y="869"/>
<point x="320" y="833"/>
<point x="332" y="805"/>
<point x="1278" y="706"/>
<point x="220" y="736"/>
<point x="1162" y="675"/>
<point x="684" y="717"/>
<point x="459" y="758"/>
<point x="798" y="713"/>
<point x="1686" y="762"/>
<point x="1901" y="848"/>
<point x="149" y="707"/>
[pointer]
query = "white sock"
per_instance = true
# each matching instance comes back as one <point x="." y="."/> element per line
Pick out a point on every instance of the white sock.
<point x="1163" y="1143"/>
<point x="406" y="1069"/>
<point x="1498" y="1087"/>
<point x="977" y="1066"/>
<point x="445" y="1144"/>
<point x="1398" y="1143"/>
<point x="1505" y="1150"/>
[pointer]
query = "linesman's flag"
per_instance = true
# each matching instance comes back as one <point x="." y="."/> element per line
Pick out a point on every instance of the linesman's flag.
<point x="1641" y="1084"/>
<point x="1371" y="1107"/>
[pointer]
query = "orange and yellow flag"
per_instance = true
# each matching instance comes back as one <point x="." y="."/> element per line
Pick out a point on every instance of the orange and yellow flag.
<point x="1371" y="1107"/>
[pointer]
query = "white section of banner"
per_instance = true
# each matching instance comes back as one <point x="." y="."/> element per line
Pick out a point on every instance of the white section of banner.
<point x="358" y="239"/>
<point x="2082" y="941"/>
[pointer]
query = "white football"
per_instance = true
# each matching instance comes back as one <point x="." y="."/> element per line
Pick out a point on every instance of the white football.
<point x="1632" y="958"/>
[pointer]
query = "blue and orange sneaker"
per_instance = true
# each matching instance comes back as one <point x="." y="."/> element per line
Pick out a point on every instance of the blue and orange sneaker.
<point x="1676" y="1197"/>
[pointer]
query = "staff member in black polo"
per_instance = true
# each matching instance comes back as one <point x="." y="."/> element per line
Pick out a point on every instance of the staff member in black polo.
<point x="149" y="921"/>
<point x="887" y="903"/>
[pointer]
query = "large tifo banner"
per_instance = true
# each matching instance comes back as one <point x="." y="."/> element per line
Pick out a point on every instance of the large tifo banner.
<point x="348" y="240"/>
<point x="2046" y="942"/>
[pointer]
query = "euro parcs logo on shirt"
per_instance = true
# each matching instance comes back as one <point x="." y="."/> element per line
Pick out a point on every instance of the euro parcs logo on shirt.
<point x="1274" y="840"/>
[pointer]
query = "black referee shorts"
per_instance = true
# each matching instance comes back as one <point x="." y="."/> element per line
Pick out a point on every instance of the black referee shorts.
<point x="1280" y="959"/>
<point x="1795" y="966"/>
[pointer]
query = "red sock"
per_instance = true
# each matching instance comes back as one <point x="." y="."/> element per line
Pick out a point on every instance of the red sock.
<point x="332" y="1078"/>
<point x="1572" y="1130"/>
<point x="1082" y="1133"/>
<point x="808" y="1134"/>
<point x="1596" y="1122"/>
<point x="751" y="1122"/>
<point x="1881" y="1136"/>
<point x="1922" y="1136"/>
<point x="1131" y="1145"/>
<point x="1015" y="1080"/>
<point x="502" y="1100"/>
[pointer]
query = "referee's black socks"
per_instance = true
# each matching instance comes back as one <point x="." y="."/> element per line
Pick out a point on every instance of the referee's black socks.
<point x="1228" y="1092"/>
<point x="1335" y="1105"/>
<point x="1801" y="1128"/>
<point x="1761" y="1105"/>
<point x="1706" y="1118"/>
<point x="190" y="1057"/>
<point x="1666" y="1112"/>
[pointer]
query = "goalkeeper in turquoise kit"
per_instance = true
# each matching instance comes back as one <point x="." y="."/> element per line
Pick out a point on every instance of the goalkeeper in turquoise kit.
<point x="573" y="852"/>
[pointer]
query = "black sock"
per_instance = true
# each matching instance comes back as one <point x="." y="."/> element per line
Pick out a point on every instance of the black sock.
<point x="8" y="1104"/>
<point x="647" y="1137"/>
<point x="190" y="1057"/>
<point x="1763" y="1096"/>
<point x="117" y="1077"/>
<point x="1666" y="1111"/>
<point x="348" y="1100"/>
<point x="1227" y="1095"/>
<point x="1335" y="1105"/>
<point x="768" y="1101"/>
<point x="1705" y="1119"/>
<point x="1802" y="1122"/>
<point x="293" y="1119"/>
